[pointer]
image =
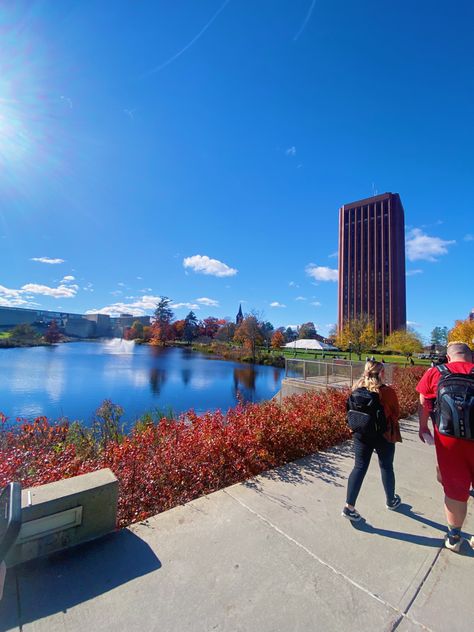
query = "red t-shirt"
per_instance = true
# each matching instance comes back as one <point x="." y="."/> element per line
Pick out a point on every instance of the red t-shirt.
<point x="428" y="385"/>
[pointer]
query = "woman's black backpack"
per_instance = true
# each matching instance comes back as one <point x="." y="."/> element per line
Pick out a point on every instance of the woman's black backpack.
<point x="454" y="406"/>
<point x="365" y="413"/>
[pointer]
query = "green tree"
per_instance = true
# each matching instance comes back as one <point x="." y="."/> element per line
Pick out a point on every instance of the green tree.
<point x="267" y="330"/>
<point x="24" y="331"/>
<point x="290" y="334"/>
<point x="162" y="330"/>
<point x="439" y="336"/>
<point x="307" y="330"/>
<point x="190" y="330"/>
<point x="406" y="342"/>
<point x="357" y="335"/>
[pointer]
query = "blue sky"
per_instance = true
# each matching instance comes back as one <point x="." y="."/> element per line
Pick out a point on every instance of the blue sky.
<point x="201" y="150"/>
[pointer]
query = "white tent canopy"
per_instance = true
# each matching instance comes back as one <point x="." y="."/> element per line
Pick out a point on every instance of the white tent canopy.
<point x="307" y="343"/>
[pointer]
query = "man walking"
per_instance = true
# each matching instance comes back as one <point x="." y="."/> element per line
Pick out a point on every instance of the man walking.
<point x="447" y="396"/>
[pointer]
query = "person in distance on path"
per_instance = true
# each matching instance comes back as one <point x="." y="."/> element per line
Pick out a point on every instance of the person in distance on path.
<point x="381" y="439"/>
<point x="455" y="455"/>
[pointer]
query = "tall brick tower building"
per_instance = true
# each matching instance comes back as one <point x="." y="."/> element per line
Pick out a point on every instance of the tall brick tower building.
<point x="372" y="262"/>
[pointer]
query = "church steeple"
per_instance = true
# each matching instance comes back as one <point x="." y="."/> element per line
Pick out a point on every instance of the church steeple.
<point x="239" y="318"/>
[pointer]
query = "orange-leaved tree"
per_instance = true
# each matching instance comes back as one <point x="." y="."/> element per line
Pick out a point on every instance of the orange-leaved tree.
<point x="278" y="340"/>
<point x="249" y="334"/>
<point x="463" y="331"/>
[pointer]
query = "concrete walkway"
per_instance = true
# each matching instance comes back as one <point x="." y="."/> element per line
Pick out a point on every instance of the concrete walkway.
<point x="269" y="555"/>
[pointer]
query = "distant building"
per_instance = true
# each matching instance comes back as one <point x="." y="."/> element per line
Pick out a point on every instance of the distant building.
<point x="471" y="315"/>
<point x="239" y="318"/>
<point x="372" y="262"/>
<point x="75" y="325"/>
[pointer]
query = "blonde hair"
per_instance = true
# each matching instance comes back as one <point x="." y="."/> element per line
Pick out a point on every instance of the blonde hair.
<point x="371" y="379"/>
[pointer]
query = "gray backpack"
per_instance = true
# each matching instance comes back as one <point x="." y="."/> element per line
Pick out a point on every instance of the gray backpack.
<point x="454" y="407"/>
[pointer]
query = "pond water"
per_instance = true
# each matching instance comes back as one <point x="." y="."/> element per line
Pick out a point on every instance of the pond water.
<point x="71" y="380"/>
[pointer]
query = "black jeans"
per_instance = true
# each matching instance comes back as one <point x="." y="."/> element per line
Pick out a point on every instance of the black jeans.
<point x="364" y="447"/>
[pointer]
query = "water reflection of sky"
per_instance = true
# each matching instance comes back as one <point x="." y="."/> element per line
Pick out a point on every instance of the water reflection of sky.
<point x="72" y="379"/>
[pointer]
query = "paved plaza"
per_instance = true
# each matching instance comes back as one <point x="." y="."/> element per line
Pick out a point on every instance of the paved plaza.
<point x="269" y="555"/>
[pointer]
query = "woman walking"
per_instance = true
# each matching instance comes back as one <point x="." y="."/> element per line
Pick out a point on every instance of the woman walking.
<point x="370" y="438"/>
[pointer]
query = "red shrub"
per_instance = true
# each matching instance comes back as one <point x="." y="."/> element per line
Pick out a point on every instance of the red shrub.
<point x="173" y="461"/>
<point x="404" y="382"/>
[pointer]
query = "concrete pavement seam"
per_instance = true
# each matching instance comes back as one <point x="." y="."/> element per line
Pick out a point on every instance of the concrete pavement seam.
<point x="330" y="567"/>
<point x="417" y="591"/>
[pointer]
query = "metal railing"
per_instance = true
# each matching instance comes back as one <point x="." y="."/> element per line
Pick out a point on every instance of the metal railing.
<point x="333" y="371"/>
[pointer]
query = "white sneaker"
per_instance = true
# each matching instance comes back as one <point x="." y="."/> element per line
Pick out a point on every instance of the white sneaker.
<point x="453" y="543"/>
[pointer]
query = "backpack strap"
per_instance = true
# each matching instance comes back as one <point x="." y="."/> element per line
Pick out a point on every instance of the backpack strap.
<point x="443" y="369"/>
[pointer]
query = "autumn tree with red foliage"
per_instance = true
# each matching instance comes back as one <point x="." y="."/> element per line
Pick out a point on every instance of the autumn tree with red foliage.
<point x="178" y="328"/>
<point x="209" y="326"/>
<point x="52" y="333"/>
<point x="135" y="332"/>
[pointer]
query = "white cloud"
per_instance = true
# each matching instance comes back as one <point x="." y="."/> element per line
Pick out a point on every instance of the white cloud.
<point x="116" y="292"/>
<point x="14" y="302"/>
<point x="14" y="297"/>
<point x="186" y="305"/>
<point x="6" y="291"/>
<point x="412" y="323"/>
<point x="334" y="255"/>
<point x="47" y="260"/>
<point x="205" y="265"/>
<point x="414" y="271"/>
<point x="420" y="246"/>
<point x="316" y="303"/>
<point x="291" y="151"/>
<point x="300" y="298"/>
<point x="116" y="309"/>
<point x="121" y="284"/>
<point x="62" y="291"/>
<point x="321" y="273"/>
<point x="68" y="279"/>
<point x="137" y="308"/>
<point x="210" y="302"/>
<point x="277" y="304"/>
<point x="469" y="237"/>
<point x="293" y="284"/>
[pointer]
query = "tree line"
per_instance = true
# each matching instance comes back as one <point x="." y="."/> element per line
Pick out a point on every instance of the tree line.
<point x="359" y="335"/>
<point x="251" y="333"/>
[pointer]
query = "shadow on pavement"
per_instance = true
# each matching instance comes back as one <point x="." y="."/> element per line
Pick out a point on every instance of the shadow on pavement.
<point x="59" y="582"/>
<point x="325" y="466"/>
<point x="407" y="510"/>
<point x="422" y="540"/>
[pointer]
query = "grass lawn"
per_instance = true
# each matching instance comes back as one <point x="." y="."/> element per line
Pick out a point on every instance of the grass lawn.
<point x="5" y="334"/>
<point x="318" y="355"/>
